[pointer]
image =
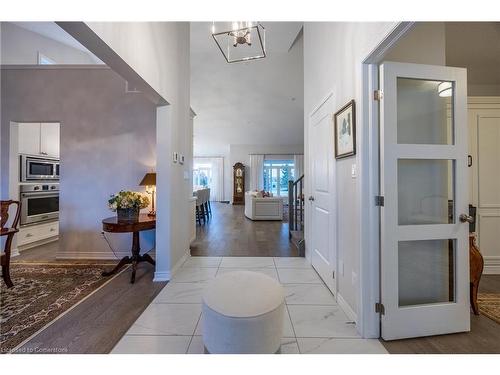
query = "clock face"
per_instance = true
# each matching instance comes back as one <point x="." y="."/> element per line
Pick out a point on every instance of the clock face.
<point x="239" y="172"/>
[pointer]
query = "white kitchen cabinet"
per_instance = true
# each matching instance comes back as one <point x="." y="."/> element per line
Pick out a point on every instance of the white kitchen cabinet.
<point x="37" y="138"/>
<point x="49" y="139"/>
<point x="34" y="235"/>
<point x="29" y="138"/>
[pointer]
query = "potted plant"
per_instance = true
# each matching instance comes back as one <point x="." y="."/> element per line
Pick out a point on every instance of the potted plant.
<point x="127" y="204"/>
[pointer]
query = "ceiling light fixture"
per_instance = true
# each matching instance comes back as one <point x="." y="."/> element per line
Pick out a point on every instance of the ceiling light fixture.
<point x="244" y="42"/>
<point x="445" y="89"/>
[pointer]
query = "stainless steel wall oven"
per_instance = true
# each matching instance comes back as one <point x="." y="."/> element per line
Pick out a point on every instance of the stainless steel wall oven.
<point x="39" y="203"/>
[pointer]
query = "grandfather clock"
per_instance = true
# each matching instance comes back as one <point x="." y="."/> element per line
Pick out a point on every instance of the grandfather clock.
<point x="238" y="184"/>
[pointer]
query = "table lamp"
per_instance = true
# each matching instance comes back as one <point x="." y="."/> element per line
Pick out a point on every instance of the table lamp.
<point x="149" y="180"/>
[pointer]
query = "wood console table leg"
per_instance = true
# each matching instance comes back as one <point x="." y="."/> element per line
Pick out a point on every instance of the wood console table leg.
<point x="123" y="261"/>
<point x="136" y="257"/>
<point x="147" y="258"/>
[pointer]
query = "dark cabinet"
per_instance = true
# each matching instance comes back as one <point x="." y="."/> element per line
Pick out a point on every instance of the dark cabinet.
<point x="238" y="183"/>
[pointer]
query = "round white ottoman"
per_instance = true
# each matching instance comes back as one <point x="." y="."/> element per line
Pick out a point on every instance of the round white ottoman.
<point x="243" y="314"/>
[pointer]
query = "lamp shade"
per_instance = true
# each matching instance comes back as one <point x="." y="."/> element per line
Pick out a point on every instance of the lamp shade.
<point x="149" y="179"/>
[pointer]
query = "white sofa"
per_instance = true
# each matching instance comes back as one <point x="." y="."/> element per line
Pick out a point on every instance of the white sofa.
<point x="258" y="208"/>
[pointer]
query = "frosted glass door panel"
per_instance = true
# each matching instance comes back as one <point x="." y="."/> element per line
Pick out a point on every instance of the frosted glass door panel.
<point x="426" y="272"/>
<point x="423" y="116"/>
<point x="425" y="191"/>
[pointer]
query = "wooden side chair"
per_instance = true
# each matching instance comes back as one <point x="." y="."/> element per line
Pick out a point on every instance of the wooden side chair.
<point x="9" y="232"/>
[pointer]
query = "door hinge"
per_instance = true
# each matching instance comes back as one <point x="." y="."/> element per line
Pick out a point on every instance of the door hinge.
<point x="378" y="95"/>
<point x="379" y="308"/>
<point x="379" y="200"/>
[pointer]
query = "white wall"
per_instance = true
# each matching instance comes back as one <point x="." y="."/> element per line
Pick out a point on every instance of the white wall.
<point x="333" y="56"/>
<point x="159" y="53"/>
<point x="21" y="47"/>
<point x="107" y="144"/>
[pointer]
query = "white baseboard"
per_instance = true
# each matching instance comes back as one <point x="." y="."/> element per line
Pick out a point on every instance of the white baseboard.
<point x="162" y="276"/>
<point x="167" y="275"/>
<point x="347" y="309"/>
<point x="491" y="265"/>
<point x="41" y="242"/>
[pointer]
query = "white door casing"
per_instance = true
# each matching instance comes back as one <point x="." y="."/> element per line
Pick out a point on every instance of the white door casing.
<point x="423" y="166"/>
<point x="322" y="193"/>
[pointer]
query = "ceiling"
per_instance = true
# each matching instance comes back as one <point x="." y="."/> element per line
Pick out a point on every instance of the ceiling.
<point x="255" y="102"/>
<point x="52" y="31"/>
<point x="475" y="46"/>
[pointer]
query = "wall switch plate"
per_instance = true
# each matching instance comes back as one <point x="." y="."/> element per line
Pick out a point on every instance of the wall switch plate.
<point x="175" y="157"/>
<point x="353" y="171"/>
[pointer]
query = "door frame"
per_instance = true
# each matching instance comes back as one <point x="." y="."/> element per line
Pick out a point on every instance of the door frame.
<point x="368" y="321"/>
<point x="476" y="104"/>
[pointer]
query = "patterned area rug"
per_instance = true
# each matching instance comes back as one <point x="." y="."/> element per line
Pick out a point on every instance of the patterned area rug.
<point x="40" y="294"/>
<point x="489" y="305"/>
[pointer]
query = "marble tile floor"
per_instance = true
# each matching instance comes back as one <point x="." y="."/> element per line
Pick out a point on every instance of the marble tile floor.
<point x="314" y="322"/>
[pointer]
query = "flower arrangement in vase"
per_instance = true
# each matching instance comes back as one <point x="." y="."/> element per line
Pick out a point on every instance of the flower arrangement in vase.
<point x="127" y="204"/>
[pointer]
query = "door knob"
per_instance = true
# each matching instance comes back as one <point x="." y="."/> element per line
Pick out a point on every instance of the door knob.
<point x="466" y="218"/>
<point x="311" y="198"/>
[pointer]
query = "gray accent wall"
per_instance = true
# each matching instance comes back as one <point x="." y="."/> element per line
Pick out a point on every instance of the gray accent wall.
<point x="108" y="142"/>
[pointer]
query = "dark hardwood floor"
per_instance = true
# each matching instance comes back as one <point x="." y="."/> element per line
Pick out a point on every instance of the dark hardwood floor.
<point x="230" y="233"/>
<point x="42" y="253"/>
<point x="484" y="336"/>
<point x="97" y="324"/>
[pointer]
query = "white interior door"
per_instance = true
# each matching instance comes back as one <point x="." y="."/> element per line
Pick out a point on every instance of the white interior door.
<point x="424" y="243"/>
<point x="484" y="138"/>
<point x="322" y="230"/>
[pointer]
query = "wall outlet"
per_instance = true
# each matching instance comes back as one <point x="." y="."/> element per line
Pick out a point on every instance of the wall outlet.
<point x="353" y="171"/>
<point x="175" y="157"/>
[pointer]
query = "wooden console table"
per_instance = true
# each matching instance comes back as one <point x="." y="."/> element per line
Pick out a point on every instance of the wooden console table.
<point x="113" y="225"/>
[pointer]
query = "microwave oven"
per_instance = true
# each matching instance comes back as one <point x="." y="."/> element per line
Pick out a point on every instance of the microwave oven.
<point x="34" y="168"/>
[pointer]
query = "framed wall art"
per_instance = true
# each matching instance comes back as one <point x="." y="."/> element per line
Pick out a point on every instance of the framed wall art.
<point x="345" y="131"/>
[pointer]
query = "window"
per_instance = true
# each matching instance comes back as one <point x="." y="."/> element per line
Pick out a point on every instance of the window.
<point x="202" y="175"/>
<point x="277" y="173"/>
<point x="44" y="60"/>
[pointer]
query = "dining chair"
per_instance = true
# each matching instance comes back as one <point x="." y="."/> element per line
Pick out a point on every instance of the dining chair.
<point x="9" y="232"/>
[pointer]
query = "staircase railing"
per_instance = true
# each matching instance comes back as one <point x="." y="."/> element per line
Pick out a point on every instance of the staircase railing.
<point x="296" y="205"/>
